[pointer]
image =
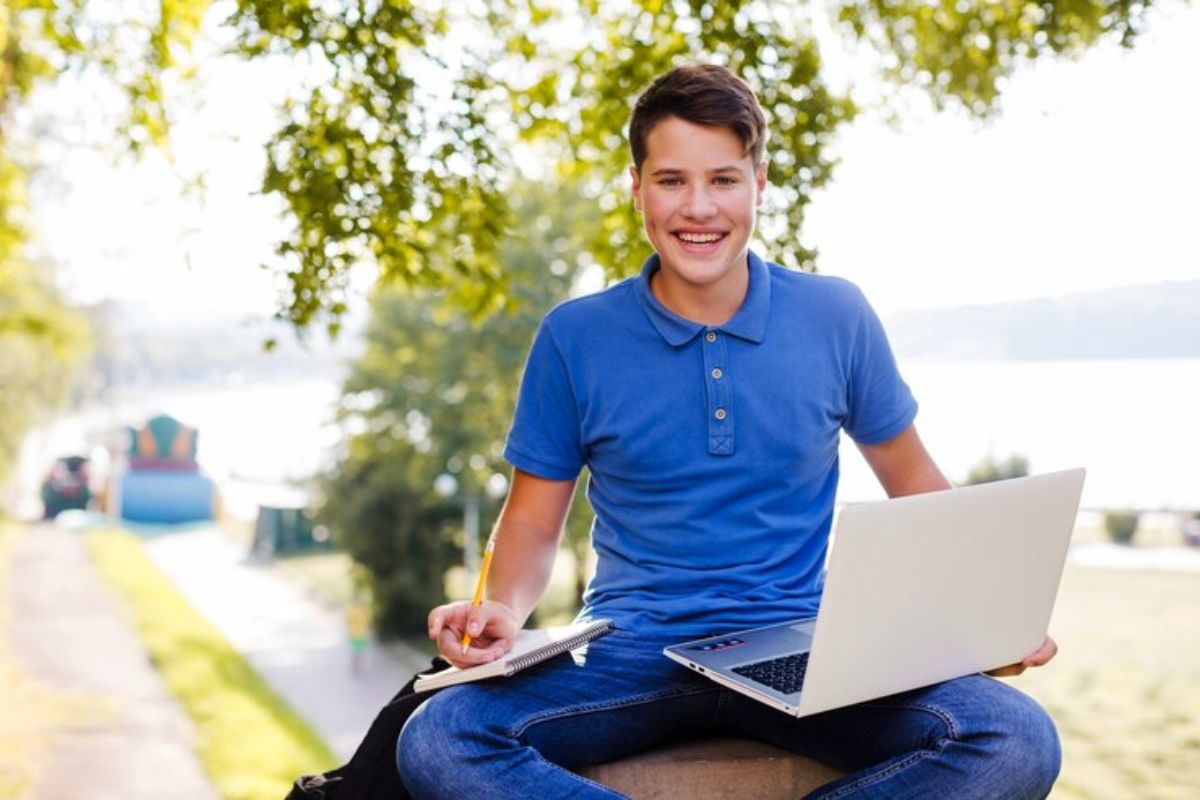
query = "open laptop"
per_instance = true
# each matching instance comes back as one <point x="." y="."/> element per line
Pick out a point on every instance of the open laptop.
<point x="919" y="590"/>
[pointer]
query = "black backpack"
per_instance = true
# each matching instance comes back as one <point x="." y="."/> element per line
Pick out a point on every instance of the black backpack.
<point x="370" y="774"/>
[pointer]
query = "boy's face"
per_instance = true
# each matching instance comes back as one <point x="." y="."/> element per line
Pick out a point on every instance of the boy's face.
<point x="698" y="191"/>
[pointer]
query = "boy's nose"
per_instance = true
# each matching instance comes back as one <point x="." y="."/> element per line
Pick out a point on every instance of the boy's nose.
<point x="699" y="204"/>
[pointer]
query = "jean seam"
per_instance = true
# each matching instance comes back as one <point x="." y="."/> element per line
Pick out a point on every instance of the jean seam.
<point x="876" y="777"/>
<point x="575" y="775"/>
<point x="892" y="769"/>
<point x="946" y="717"/>
<point x="588" y="708"/>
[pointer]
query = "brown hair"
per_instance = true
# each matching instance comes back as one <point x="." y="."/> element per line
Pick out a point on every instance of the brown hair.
<point x="703" y="94"/>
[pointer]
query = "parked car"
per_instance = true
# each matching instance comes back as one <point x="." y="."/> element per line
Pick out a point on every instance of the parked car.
<point x="66" y="486"/>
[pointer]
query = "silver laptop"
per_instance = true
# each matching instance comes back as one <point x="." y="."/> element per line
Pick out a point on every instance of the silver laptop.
<point x="919" y="590"/>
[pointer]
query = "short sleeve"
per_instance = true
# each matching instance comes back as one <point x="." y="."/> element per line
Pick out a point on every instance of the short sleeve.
<point x="544" y="439"/>
<point x="880" y="404"/>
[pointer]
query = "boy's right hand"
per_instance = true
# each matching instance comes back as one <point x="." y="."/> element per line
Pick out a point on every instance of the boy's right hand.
<point x="493" y="627"/>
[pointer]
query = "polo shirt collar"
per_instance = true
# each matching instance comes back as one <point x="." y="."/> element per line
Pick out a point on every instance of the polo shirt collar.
<point x="749" y="323"/>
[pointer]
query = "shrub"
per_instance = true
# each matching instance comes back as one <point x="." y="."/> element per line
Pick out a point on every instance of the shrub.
<point x="1121" y="525"/>
<point x="991" y="469"/>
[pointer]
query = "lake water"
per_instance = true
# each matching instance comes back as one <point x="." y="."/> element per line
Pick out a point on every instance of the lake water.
<point x="1133" y="424"/>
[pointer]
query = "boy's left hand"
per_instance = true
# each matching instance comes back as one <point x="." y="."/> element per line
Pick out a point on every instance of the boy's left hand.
<point x="1035" y="659"/>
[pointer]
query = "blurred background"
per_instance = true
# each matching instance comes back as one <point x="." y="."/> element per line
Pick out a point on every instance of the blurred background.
<point x="269" y="271"/>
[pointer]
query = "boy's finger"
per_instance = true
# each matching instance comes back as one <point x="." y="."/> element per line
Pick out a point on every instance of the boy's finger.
<point x="435" y="622"/>
<point x="449" y="645"/>
<point x="439" y="618"/>
<point x="478" y="618"/>
<point x="1042" y="655"/>
<point x="489" y="654"/>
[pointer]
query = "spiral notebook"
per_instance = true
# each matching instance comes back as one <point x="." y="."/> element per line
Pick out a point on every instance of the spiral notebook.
<point x="532" y="647"/>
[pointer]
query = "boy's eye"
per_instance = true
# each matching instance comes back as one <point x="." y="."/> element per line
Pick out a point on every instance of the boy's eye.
<point x="724" y="180"/>
<point x="670" y="181"/>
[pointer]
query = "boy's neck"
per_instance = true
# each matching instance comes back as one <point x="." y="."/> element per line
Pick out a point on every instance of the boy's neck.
<point x="709" y="305"/>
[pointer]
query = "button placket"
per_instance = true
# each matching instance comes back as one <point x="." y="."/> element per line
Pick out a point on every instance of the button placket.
<point x="718" y="393"/>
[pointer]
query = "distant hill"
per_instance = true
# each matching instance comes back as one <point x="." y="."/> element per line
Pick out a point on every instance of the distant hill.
<point x="1160" y="320"/>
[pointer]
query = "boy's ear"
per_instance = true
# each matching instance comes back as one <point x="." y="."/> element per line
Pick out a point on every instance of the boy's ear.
<point x="760" y="180"/>
<point x="636" y="189"/>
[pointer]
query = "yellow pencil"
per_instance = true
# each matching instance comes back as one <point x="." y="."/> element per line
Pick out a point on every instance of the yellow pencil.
<point x="483" y="573"/>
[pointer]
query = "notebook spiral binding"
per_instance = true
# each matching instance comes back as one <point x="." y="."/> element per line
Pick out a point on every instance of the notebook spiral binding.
<point x="555" y="648"/>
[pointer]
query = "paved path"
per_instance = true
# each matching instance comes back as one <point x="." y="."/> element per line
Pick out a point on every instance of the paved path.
<point x="69" y="633"/>
<point x="297" y="644"/>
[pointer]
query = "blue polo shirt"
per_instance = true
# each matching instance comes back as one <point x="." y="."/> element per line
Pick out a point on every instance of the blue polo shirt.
<point x="712" y="450"/>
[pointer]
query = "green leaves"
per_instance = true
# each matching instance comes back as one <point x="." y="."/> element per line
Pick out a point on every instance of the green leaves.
<point x="960" y="51"/>
<point x="41" y="342"/>
<point x="376" y="167"/>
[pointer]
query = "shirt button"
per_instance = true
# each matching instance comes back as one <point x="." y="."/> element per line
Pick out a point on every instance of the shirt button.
<point x="710" y="336"/>
<point x="720" y="413"/>
<point x="716" y="373"/>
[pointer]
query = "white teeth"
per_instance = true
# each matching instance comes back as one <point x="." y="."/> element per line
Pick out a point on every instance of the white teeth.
<point x="699" y="238"/>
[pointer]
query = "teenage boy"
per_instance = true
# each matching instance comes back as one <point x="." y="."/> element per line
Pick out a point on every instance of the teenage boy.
<point x="706" y="397"/>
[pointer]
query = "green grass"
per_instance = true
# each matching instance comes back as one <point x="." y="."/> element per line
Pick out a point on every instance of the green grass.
<point x="1125" y="688"/>
<point x="250" y="742"/>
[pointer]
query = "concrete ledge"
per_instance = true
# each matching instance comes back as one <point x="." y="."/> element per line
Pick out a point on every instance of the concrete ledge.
<point x="713" y="769"/>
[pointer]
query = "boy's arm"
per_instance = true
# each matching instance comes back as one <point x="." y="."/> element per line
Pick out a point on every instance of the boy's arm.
<point x="903" y="466"/>
<point x="527" y="535"/>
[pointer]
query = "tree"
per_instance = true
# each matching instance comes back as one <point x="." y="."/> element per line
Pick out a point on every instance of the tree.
<point x="963" y="52"/>
<point x="397" y="150"/>
<point x="433" y="393"/>
<point x="41" y="339"/>
<point x="40" y="343"/>
<point x="397" y="142"/>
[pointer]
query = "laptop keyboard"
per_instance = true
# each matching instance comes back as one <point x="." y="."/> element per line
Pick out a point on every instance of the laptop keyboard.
<point x="784" y="674"/>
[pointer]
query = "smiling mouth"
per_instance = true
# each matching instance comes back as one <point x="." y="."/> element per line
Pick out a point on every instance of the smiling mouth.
<point x="699" y="239"/>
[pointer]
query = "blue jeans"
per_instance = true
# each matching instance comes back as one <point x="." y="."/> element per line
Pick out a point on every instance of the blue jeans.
<point x="520" y="737"/>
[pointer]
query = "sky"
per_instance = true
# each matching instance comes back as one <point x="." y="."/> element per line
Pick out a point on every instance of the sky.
<point x="1086" y="181"/>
